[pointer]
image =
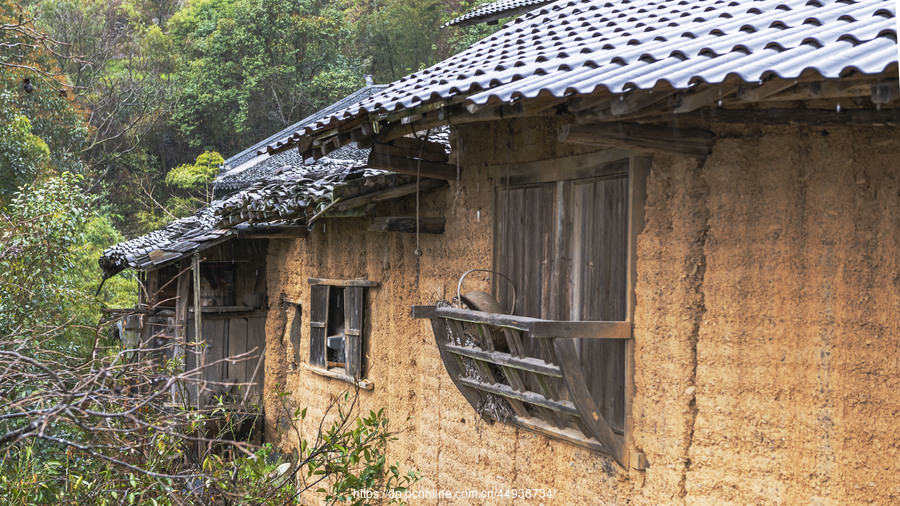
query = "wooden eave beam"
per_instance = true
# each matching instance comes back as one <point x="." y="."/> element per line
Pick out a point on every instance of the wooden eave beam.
<point x="694" y="142"/>
<point x="409" y="224"/>
<point x="392" y="193"/>
<point x="402" y="165"/>
<point x="805" y="117"/>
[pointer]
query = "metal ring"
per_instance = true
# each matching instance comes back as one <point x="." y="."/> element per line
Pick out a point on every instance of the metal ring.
<point x="513" y="285"/>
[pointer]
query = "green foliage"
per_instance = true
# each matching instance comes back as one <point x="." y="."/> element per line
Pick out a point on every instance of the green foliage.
<point x="41" y="229"/>
<point x="23" y="155"/>
<point x="351" y="458"/>
<point x="202" y="172"/>
<point x="250" y="66"/>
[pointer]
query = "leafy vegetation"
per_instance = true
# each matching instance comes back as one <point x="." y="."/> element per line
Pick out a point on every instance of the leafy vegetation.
<point x="113" y="115"/>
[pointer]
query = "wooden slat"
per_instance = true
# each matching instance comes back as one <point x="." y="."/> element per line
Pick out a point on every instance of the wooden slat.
<point x="409" y="224"/>
<point x="365" y="384"/>
<point x="541" y="328"/>
<point x="529" y="397"/>
<point x="442" y="339"/>
<point x="425" y="184"/>
<point x="215" y="333"/>
<point x="295" y="329"/>
<point x="318" y="316"/>
<point x="568" y="435"/>
<point x="484" y="369"/>
<point x="256" y="339"/>
<point x="423" y="168"/>
<point x="525" y="364"/>
<point x="353" y="328"/>
<point x="237" y="344"/>
<point x="411" y="151"/>
<point x="584" y="403"/>
<point x="339" y="282"/>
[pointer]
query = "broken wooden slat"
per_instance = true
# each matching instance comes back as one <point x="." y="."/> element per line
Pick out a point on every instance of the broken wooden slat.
<point x="408" y="224"/>
<point x="365" y="384"/>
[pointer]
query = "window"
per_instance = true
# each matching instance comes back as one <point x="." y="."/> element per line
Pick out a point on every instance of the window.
<point x="564" y="245"/>
<point x="562" y="364"/>
<point x="337" y="337"/>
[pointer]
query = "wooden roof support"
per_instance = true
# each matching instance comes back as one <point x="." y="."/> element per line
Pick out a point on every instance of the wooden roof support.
<point x="807" y="117"/>
<point x="709" y="95"/>
<point x="408" y="224"/>
<point x="686" y="141"/>
<point x="402" y="165"/>
<point x="392" y="193"/>
<point x="635" y="101"/>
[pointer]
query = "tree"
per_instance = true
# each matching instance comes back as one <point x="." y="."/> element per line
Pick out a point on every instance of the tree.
<point x="256" y="66"/>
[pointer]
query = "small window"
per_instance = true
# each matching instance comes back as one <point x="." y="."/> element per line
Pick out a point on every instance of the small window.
<point x="337" y="315"/>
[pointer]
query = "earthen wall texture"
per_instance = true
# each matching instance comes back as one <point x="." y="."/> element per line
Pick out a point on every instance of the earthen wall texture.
<point x="767" y="344"/>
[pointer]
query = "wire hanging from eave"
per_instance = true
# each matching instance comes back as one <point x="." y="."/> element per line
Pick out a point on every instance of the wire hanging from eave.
<point x="418" y="251"/>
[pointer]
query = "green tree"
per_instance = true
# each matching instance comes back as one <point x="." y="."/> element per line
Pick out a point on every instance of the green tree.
<point x="252" y="67"/>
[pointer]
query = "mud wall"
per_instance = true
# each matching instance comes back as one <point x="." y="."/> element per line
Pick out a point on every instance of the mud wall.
<point x="766" y="328"/>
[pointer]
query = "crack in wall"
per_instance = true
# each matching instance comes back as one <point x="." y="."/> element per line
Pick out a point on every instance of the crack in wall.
<point x="697" y="258"/>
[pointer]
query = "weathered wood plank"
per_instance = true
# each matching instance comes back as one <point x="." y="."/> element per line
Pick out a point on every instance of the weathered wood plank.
<point x="409" y="224"/>
<point x="529" y="397"/>
<point x="424" y="185"/>
<point x="541" y="328"/>
<point x="318" y="316"/>
<point x="583" y="402"/>
<point x="534" y="365"/>
<point x="423" y="168"/>
<point x="442" y="338"/>
<point x="694" y="142"/>
<point x="353" y="330"/>
<point x="412" y="150"/>
<point x="237" y="344"/>
<point x="565" y="434"/>
<point x="340" y="283"/>
<point x="366" y="384"/>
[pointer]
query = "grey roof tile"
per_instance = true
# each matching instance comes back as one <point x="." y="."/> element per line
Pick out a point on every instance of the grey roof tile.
<point x="591" y="46"/>
<point x="496" y="10"/>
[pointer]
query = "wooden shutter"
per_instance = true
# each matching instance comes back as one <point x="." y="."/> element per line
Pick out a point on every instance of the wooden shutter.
<point x="318" y="324"/>
<point x="353" y="322"/>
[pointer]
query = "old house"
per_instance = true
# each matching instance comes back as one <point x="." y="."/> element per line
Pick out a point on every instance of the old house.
<point x="686" y="212"/>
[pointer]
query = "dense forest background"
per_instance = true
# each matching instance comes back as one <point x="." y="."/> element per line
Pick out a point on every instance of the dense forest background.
<point x="113" y="116"/>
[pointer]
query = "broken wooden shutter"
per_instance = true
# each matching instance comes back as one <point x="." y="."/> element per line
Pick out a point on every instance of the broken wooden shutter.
<point x="318" y="324"/>
<point x="353" y="321"/>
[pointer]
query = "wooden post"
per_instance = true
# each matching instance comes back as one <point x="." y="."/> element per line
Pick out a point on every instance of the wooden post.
<point x="637" y="197"/>
<point x="198" y="332"/>
<point x="181" y="319"/>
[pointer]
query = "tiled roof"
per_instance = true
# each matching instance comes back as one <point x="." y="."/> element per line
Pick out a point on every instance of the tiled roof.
<point x="289" y="195"/>
<point x="596" y="46"/>
<point x="247" y="167"/>
<point x="494" y="11"/>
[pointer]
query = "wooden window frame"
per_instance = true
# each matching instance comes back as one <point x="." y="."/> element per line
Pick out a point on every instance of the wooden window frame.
<point x="592" y="165"/>
<point x="353" y="294"/>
